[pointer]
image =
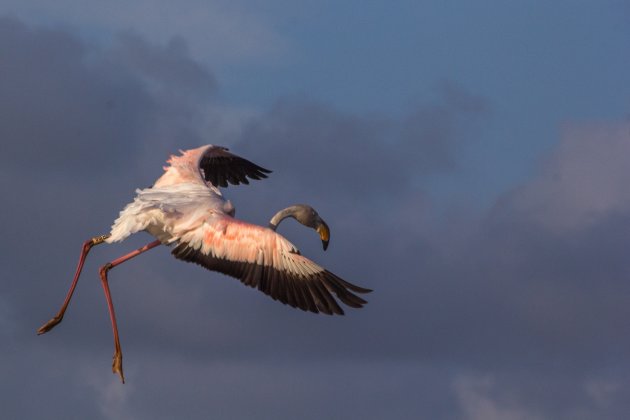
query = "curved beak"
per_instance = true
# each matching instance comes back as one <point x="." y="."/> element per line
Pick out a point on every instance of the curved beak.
<point x="324" y="233"/>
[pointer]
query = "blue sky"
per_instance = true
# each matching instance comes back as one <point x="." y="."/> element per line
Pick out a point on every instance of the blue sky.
<point x="471" y="160"/>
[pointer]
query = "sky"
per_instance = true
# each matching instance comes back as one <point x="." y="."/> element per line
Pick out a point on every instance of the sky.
<point x="471" y="160"/>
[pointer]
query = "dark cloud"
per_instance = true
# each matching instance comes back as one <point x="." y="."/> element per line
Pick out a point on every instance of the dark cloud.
<point x="518" y="313"/>
<point x="68" y="105"/>
<point x="353" y="156"/>
<point x="169" y="67"/>
<point x="59" y="113"/>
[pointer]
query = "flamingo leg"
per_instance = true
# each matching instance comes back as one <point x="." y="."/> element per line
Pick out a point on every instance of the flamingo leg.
<point x="87" y="246"/>
<point x="117" y="360"/>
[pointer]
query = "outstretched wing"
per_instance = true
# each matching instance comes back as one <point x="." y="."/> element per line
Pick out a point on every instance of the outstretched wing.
<point x="263" y="259"/>
<point x="218" y="166"/>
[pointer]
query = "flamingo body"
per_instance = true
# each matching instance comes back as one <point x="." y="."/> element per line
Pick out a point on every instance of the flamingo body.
<point x="186" y="209"/>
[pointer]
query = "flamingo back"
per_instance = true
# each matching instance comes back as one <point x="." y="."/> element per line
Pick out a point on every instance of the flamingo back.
<point x="183" y="168"/>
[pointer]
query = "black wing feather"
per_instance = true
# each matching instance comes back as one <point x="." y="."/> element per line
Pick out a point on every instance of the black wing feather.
<point x="220" y="167"/>
<point x="312" y="293"/>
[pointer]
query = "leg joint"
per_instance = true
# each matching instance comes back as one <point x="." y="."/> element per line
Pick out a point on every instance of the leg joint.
<point x="104" y="269"/>
<point x="87" y="245"/>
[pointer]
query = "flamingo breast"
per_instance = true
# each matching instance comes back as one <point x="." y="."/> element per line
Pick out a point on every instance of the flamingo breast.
<point x="168" y="212"/>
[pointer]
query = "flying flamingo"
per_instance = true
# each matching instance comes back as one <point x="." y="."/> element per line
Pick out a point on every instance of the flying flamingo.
<point x="185" y="209"/>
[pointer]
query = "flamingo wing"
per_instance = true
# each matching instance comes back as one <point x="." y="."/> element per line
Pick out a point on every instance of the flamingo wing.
<point x="220" y="167"/>
<point x="263" y="259"/>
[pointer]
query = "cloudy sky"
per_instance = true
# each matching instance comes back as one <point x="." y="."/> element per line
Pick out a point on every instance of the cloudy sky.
<point x="472" y="161"/>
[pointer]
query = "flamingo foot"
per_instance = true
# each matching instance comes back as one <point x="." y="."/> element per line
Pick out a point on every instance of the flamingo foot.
<point x="117" y="366"/>
<point x="49" y="325"/>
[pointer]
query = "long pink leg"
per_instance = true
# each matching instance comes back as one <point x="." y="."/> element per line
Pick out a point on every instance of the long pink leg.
<point x="87" y="245"/>
<point x="117" y="363"/>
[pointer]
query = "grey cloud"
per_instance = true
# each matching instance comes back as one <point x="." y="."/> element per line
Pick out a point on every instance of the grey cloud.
<point x="361" y="155"/>
<point x="209" y="25"/>
<point x="68" y="105"/>
<point x="523" y="395"/>
<point x="584" y="181"/>
<point x="537" y="294"/>
<point x="284" y="388"/>
<point x="170" y="66"/>
<point x="61" y="112"/>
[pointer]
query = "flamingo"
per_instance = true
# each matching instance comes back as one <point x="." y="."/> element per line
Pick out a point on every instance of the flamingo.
<point x="185" y="209"/>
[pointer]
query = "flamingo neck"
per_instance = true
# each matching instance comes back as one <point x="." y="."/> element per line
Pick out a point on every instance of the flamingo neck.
<point x="281" y="215"/>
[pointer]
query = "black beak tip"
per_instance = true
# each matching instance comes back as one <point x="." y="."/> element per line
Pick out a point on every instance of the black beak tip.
<point x="325" y="244"/>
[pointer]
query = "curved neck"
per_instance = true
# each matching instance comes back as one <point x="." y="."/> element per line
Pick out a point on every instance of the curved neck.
<point x="281" y="215"/>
